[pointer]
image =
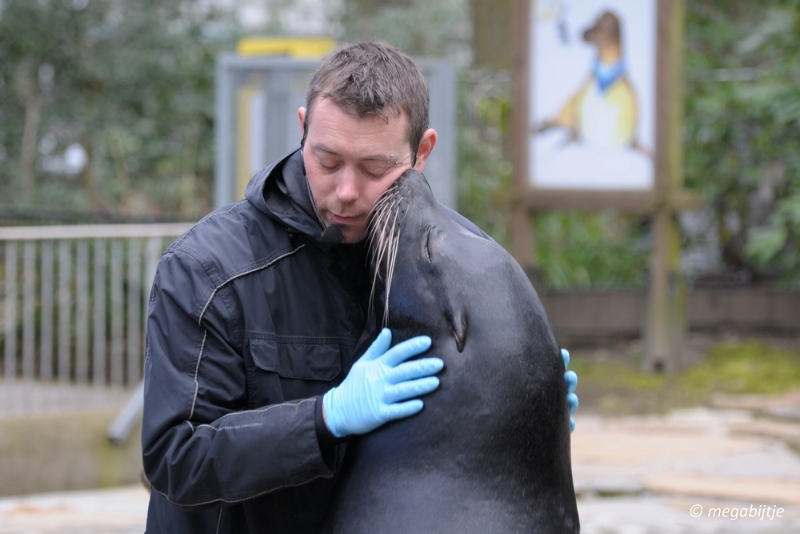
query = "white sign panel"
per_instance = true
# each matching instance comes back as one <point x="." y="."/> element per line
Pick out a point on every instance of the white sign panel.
<point x="592" y="94"/>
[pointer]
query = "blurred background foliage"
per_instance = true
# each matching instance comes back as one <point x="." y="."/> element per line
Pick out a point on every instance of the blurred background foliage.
<point x="742" y="126"/>
<point x="106" y="109"/>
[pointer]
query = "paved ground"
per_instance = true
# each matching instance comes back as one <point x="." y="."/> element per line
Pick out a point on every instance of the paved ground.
<point x="695" y="471"/>
<point x="111" y="511"/>
<point x="20" y="398"/>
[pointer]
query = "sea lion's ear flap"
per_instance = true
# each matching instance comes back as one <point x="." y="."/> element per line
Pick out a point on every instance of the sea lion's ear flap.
<point x="460" y="330"/>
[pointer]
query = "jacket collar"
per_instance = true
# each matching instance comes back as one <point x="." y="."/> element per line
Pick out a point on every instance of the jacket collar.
<point x="282" y="192"/>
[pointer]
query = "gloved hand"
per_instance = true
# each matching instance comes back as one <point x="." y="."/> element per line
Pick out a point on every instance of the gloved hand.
<point x="572" y="380"/>
<point x="378" y="388"/>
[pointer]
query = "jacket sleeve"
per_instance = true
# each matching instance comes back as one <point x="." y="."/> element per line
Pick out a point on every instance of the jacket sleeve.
<point x="200" y="446"/>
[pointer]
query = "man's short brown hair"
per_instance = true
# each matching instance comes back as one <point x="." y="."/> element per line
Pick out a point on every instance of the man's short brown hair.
<point x="373" y="79"/>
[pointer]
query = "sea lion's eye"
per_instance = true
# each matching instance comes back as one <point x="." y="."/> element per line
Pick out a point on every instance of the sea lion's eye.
<point x="426" y="246"/>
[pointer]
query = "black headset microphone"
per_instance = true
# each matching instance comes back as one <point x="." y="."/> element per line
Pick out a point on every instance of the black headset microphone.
<point x="332" y="235"/>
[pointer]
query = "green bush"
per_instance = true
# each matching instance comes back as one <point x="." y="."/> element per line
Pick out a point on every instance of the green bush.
<point x="742" y="128"/>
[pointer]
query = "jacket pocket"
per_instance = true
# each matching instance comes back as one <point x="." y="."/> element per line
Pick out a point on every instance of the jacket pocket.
<point x="283" y="368"/>
<point x="301" y="360"/>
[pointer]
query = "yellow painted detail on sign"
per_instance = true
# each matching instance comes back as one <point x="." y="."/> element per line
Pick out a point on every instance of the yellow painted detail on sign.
<point x="245" y="99"/>
<point x="296" y="47"/>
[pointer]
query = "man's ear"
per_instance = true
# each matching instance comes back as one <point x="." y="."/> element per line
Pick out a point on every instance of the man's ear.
<point x="301" y="114"/>
<point x="426" y="145"/>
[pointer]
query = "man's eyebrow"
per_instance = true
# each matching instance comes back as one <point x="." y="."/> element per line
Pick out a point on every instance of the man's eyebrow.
<point x="379" y="157"/>
<point x="323" y="148"/>
<point x="372" y="157"/>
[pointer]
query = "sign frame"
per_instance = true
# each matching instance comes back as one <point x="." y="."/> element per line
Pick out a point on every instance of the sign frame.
<point x="668" y="177"/>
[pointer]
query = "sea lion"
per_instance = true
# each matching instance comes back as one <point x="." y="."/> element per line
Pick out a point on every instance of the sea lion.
<point x="490" y="451"/>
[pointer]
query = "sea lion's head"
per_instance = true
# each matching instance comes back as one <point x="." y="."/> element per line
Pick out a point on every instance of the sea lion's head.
<point x="606" y="30"/>
<point x="413" y="244"/>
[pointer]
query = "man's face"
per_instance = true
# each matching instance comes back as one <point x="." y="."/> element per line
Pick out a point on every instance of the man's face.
<point x="352" y="161"/>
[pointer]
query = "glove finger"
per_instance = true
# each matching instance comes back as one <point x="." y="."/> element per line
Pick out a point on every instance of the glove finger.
<point x="571" y="425"/>
<point x="409" y="390"/>
<point x="572" y="401"/>
<point x="572" y="380"/>
<point x="379" y="346"/>
<point x="405" y="350"/>
<point x="565" y="357"/>
<point x="401" y="410"/>
<point x="413" y="370"/>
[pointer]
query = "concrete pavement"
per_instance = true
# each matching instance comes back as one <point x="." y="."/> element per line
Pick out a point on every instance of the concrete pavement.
<point x="703" y="470"/>
<point x="692" y="471"/>
<point x="109" y="511"/>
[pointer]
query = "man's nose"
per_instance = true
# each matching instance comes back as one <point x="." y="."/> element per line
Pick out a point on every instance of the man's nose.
<point x="347" y="188"/>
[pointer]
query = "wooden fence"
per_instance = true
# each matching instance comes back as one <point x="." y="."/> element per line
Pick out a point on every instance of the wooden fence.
<point x="74" y="300"/>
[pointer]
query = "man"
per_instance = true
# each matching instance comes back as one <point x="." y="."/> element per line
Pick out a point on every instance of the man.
<point x="258" y="314"/>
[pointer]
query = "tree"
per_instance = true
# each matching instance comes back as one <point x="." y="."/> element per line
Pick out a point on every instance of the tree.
<point x="419" y="27"/>
<point x="742" y="126"/>
<point x="103" y="102"/>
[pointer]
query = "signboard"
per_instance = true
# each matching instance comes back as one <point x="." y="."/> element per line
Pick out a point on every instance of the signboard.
<point x="592" y="94"/>
<point x="597" y="108"/>
<point x="597" y="124"/>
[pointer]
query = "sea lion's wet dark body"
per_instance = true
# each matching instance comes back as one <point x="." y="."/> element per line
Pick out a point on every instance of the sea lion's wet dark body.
<point x="490" y="451"/>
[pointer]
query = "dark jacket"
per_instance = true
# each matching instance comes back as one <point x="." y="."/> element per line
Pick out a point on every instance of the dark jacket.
<point x="252" y="318"/>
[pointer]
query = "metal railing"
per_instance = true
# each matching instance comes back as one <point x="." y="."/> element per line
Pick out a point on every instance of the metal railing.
<point x="75" y="300"/>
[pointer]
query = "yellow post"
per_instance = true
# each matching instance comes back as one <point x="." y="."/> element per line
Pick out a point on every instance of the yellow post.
<point x="251" y="97"/>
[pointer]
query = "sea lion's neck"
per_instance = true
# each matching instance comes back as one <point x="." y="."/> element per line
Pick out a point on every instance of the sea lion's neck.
<point x="609" y="53"/>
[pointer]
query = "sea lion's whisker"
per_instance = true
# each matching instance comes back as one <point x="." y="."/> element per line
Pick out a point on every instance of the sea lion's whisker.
<point x="392" y="257"/>
<point x="383" y="229"/>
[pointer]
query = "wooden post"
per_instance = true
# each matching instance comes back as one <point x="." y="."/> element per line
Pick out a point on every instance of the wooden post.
<point x="522" y="238"/>
<point x="491" y="41"/>
<point x="666" y="307"/>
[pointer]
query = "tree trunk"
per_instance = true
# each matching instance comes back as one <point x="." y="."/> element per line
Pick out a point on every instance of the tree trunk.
<point x="30" y="135"/>
<point x="117" y="151"/>
<point x="27" y="92"/>
<point x="189" y="174"/>
<point x="491" y="38"/>
<point x="88" y="176"/>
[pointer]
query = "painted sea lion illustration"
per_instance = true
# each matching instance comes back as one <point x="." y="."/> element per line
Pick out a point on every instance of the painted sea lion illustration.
<point x="604" y="110"/>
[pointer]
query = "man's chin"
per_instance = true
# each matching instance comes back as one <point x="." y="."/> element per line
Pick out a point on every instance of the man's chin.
<point x="353" y="238"/>
<point x="352" y="235"/>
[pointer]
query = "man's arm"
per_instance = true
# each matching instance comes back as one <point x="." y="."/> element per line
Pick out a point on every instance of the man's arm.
<point x="200" y="446"/>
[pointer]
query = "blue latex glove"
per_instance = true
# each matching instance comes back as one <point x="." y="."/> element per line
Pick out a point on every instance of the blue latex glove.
<point x="572" y="380"/>
<point x="378" y="388"/>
